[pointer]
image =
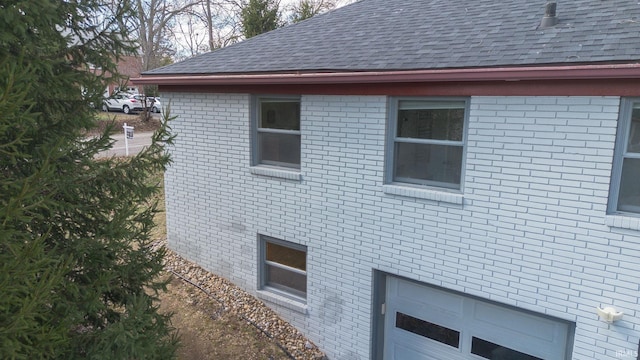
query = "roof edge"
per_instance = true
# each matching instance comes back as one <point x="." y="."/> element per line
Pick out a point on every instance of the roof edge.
<point x="567" y="72"/>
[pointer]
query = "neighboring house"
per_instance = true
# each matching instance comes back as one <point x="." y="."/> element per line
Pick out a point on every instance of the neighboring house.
<point x="422" y="179"/>
<point x="129" y="66"/>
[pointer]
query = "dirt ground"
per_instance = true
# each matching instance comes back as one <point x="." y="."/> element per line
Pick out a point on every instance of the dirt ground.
<point x="207" y="332"/>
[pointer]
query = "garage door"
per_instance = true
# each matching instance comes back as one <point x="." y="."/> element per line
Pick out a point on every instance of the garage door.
<point x="423" y="322"/>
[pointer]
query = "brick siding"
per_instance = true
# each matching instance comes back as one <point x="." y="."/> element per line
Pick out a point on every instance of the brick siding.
<point x="530" y="229"/>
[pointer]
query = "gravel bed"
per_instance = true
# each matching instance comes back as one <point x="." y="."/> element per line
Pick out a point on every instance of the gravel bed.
<point x="239" y="302"/>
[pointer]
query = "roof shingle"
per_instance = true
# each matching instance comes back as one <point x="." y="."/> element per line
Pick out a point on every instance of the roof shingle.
<point x="380" y="35"/>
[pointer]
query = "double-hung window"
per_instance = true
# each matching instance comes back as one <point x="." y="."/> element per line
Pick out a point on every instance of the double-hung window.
<point x="283" y="267"/>
<point x="625" y="183"/>
<point x="427" y="141"/>
<point x="277" y="132"/>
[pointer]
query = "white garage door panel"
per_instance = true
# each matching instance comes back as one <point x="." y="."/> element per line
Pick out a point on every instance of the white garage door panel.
<point x="410" y="347"/>
<point x="526" y="325"/>
<point x="411" y="299"/>
<point x="422" y="322"/>
<point x="407" y="353"/>
<point x="435" y="300"/>
<point x="527" y="333"/>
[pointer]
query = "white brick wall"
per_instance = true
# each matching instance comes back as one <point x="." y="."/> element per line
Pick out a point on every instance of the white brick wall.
<point x="530" y="229"/>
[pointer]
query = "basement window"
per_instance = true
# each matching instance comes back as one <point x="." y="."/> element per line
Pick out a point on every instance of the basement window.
<point x="283" y="267"/>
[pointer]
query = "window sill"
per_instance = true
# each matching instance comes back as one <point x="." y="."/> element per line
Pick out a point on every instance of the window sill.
<point x="276" y="172"/>
<point x="282" y="300"/>
<point x="623" y="222"/>
<point x="420" y="193"/>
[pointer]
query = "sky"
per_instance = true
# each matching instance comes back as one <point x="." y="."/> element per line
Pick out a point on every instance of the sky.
<point x="339" y="2"/>
<point x="181" y="42"/>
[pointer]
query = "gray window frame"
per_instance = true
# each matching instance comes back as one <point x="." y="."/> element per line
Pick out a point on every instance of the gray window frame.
<point x="256" y="103"/>
<point x="392" y="139"/>
<point x="263" y="263"/>
<point x="620" y="154"/>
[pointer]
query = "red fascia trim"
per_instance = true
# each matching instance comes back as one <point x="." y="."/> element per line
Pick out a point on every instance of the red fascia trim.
<point x="573" y="72"/>
<point x="596" y="87"/>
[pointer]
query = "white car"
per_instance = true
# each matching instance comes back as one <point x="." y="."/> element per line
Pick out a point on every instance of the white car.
<point x="150" y="103"/>
<point x="126" y="103"/>
<point x="156" y="105"/>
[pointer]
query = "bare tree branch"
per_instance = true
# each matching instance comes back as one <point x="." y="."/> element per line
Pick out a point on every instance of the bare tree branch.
<point x="154" y="22"/>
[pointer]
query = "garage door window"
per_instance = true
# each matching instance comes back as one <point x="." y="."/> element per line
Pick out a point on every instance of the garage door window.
<point x="426" y="322"/>
<point x="429" y="330"/>
<point x="489" y="350"/>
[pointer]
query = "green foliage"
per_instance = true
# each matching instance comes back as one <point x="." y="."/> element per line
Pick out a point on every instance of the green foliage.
<point x="78" y="271"/>
<point x="306" y="9"/>
<point x="151" y="90"/>
<point x="260" y="16"/>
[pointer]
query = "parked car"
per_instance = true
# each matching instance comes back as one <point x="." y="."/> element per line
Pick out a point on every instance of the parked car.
<point x="154" y="104"/>
<point x="151" y="103"/>
<point x="126" y="103"/>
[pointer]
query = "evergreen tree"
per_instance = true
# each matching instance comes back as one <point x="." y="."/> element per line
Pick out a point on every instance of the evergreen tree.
<point x="306" y="9"/>
<point x="78" y="274"/>
<point x="260" y="16"/>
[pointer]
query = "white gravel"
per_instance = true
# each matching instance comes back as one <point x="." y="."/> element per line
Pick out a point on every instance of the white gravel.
<point x="239" y="302"/>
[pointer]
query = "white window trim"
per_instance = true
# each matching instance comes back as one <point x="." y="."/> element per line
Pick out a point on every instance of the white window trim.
<point x="620" y="153"/>
<point x="276" y="172"/>
<point x="283" y="301"/>
<point x="279" y="295"/>
<point x="433" y="191"/>
<point x="420" y="192"/>
<point x="622" y="222"/>
<point x="256" y="101"/>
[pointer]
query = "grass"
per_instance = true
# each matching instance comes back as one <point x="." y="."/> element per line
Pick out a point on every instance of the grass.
<point x="135" y="120"/>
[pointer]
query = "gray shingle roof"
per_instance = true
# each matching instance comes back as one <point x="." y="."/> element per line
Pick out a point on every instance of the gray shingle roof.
<point x="375" y="35"/>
